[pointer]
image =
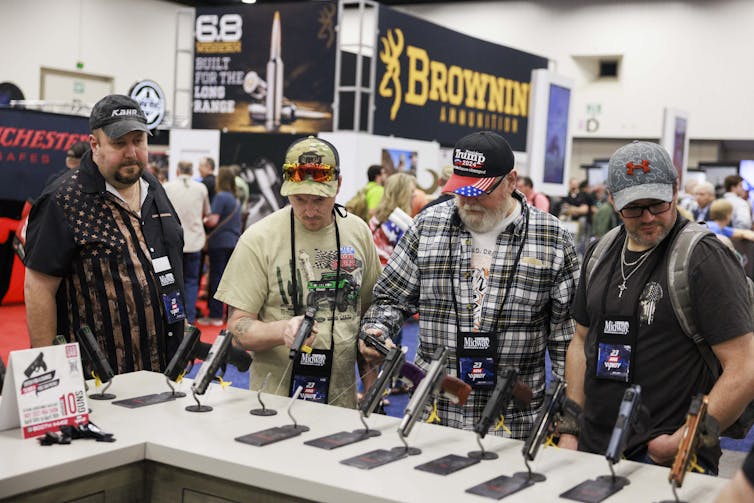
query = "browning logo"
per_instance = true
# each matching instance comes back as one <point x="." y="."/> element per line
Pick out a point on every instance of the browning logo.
<point x="392" y="48"/>
<point x="327" y="24"/>
<point x="468" y="97"/>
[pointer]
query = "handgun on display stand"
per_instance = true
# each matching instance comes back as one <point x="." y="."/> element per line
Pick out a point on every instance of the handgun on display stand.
<point x="391" y="367"/>
<point x="555" y="405"/>
<point x="99" y="364"/>
<point x="192" y="348"/>
<point x="215" y="359"/>
<point x="625" y="424"/>
<point x="700" y="428"/>
<point x="508" y="386"/>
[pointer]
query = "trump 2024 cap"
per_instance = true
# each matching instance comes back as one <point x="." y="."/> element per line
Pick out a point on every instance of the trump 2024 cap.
<point x="479" y="159"/>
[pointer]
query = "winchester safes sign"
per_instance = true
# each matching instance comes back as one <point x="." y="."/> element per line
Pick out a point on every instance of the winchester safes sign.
<point x="437" y="84"/>
<point x="264" y="68"/>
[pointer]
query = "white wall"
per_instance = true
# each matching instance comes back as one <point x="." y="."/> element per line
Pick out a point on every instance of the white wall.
<point x="129" y="40"/>
<point x="692" y="55"/>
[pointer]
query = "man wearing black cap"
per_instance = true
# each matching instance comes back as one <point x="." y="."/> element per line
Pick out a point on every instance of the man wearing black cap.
<point x="492" y="279"/>
<point x="104" y="249"/>
<point x="629" y="333"/>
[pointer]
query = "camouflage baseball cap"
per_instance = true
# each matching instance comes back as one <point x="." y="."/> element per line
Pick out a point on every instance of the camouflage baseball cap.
<point x="641" y="170"/>
<point x="311" y="167"/>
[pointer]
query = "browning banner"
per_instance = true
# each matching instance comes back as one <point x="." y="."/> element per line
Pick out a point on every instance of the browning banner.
<point x="437" y="84"/>
<point x="265" y="68"/>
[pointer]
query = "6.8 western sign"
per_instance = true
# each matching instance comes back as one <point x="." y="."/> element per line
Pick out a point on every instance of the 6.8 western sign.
<point x="438" y="84"/>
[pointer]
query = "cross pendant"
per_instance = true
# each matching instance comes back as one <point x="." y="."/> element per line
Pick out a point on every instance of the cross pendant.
<point x="621" y="289"/>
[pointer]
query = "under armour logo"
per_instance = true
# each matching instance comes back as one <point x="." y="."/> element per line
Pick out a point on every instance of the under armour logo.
<point x="630" y="167"/>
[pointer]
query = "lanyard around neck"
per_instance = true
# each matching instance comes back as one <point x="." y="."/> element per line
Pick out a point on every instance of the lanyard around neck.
<point x="512" y="275"/>
<point x="296" y="305"/>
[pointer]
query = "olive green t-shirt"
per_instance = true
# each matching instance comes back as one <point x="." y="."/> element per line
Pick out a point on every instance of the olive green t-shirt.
<point x="258" y="276"/>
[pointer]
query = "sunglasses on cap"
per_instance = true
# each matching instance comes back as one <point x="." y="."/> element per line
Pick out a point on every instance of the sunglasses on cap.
<point x="297" y="172"/>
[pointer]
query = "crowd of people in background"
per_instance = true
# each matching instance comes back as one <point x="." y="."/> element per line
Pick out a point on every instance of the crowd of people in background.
<point x="498" y="272"/>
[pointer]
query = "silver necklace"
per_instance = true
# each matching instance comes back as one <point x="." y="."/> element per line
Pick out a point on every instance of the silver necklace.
<point x="623" y="264"/>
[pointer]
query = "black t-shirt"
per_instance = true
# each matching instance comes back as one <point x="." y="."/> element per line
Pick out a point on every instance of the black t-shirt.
<point x="665" y="362"/>
<point x="748" y="467"/>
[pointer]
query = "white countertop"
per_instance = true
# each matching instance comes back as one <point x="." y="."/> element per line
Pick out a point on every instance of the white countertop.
<point x="204" y="442"/>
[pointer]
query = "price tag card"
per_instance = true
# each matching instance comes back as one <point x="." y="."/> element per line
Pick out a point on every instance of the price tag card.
<point x="447" y="464"/>
<point x="339" y="439"/>
<point x="272" y="435"/>
<point x="373" y="459"/>
<point x="594" y="491"/>
<point x="43" y="390"/>
<point x="500" y="487"/>
<point x="143" y="401"/>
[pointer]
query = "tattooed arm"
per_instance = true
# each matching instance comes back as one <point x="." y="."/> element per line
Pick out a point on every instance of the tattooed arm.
<point x="251" y="333"/>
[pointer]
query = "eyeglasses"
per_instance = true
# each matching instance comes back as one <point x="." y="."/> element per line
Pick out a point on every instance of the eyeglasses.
<point x="637" y="211"/>
<point x="296" y="172"/>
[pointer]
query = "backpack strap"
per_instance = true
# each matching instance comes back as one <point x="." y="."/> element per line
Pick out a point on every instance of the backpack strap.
<point x="600" y="248"/>
<point x="679" y="288"/>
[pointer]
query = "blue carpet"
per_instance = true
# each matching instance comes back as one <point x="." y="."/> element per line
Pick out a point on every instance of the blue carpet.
<point x="398" y="402"/>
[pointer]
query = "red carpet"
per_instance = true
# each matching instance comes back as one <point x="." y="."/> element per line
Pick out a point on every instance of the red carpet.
<point x="13" y="333"/>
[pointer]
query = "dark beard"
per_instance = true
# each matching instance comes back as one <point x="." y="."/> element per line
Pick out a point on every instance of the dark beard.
<point x="129" y="179"/>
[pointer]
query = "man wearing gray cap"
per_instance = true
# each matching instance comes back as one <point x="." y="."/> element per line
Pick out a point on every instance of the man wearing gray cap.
<point x="104" y="249"/>
<point x="628" y="333"/>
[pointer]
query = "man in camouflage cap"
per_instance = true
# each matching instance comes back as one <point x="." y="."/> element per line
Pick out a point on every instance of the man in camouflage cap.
<point x="310" y="254"/>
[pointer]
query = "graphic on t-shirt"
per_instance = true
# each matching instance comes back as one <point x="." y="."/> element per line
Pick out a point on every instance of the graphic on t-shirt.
<point x="648" y="301"/>
<point x="325" y="288"/>
<point x="479" y="281"/>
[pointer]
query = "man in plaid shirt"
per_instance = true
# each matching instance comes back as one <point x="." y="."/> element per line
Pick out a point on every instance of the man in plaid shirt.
<point x="493" y="279"/>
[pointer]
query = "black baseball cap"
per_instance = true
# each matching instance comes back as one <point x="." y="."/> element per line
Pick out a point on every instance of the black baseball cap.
<point x="117" y="115"/>
<point x="479" y="159"/>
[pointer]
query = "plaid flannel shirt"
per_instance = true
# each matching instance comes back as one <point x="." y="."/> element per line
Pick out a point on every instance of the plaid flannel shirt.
<point x="536" y="316"/>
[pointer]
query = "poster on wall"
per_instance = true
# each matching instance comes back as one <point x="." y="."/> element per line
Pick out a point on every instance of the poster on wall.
<point x="437" y="84"/>
<point x="675" y="140"/>
<point x="260" y="159"/>
<point x="265" y="68"/>
<point x="33" y="145"/>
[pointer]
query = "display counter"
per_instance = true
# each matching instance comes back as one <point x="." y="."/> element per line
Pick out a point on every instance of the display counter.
<point x="164" y="453"/>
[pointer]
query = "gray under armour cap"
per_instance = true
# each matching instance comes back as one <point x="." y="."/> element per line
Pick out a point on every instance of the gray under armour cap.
<point x="641" y="170"/>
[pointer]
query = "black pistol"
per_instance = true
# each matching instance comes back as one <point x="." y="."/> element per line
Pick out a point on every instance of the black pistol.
<point x="212" y="362"/>
<point x="304" y="331"/>
<point x="390" y="368"/>
<point x="508" y="386"/>
<point x="94" y="355"/>
<point x="185" y="354"/>
<point x="192" y="348"/>
<point x="627" y="413"/>
<point x="428" y="387"/>
<point x="38" y="363"/>
<point x="555" y="404"/>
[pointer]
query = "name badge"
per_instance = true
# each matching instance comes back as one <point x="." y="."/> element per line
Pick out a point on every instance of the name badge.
<point x="161" y="264"/>
<point x="614" y="361"/>
<point x="314" y="389"/>
<point x="479" y="373"/>
<point x="174" y="309"/>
